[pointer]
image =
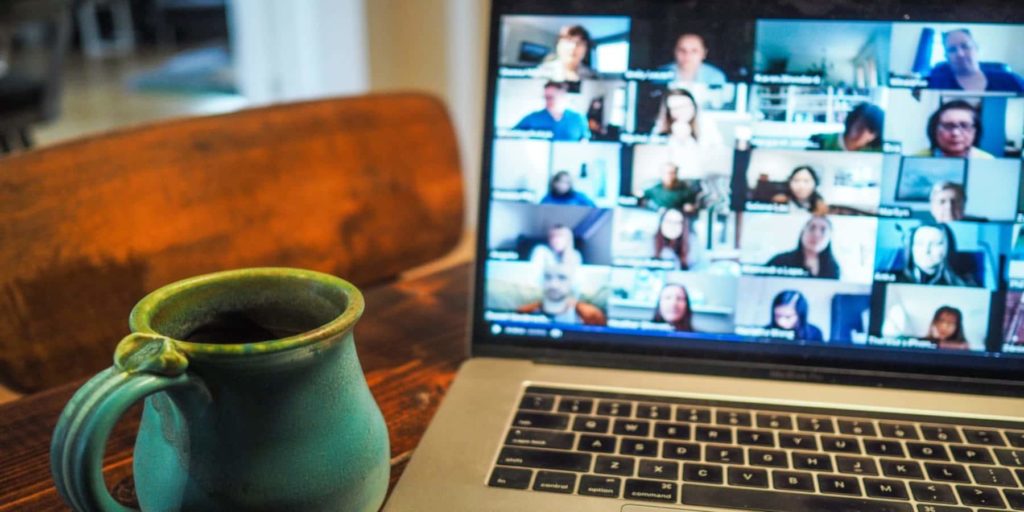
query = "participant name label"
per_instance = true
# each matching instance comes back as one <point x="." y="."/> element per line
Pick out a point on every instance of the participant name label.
<point x="762" y="270"/>
<point x="762" y="78"/>
<point x="913" y="82"/>
<point x="894" y="211"/>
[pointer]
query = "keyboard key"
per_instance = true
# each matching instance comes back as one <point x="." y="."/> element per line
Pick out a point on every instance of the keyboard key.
<point x="980" y="496"/>
<point x="713" y="434"/>
<point x="733" y="418"/>
<point x="642" y="447"/>
<point x="927" y="451"/>
<point x="537" y="402"/>
<point x="651" y="490"/>
<point x="856" y="465"/>
<point x="541" y="420"/>
<point x="551" y="481"/>
<point x="840" y="444"/>
<point x="510" y="478"/>
<point x="590" y="424"/>
<point x="832" y="484"/>
<point x="693" y="414"/>
<point x="1016" y="438"/>
<point x="622" y="466"/>
<point x="987" y="475"/>
<point x="792" y="481"/>
<point x="768" y="458"/>
<point x="901" y="469"/>
<point x="775" y="421"/>
<point x="932" y="493"/>
<point x="702" y="473"/>
<point x="971" y="454"/>
<point x="544" y="459"/>
<point x="1010" y="457"/>
<point x="680" y="451"/>
<point x="672" y="431"/>
<point x="857" y="427"/>
<point x="540" y="439"/>
<point x="654" y="411"/>
<point x="747" y="477"/>
<point x="615" y="408"/>
<point x="659" y="469"/>
<point x="812" y="461"/>
<point x="597" y="444"/>
<point x="636" y="428"/>
<point x="898" y="430"/>
<point x="814" y="424"/>
<point x="723" y="454"/>
<point x="768" y="501"/>
<point x="946" y="472"/>
<point x="797" y="441"/>
<point x="1015" y="498"/>
<point x="576" y="405"/>
<point x="883" y="448"/>
<point x="985" y="437"/>
<point x="941" y="434"/>
<point x="943" y="508"/>
<point x="604" y="486"/>
<point x="755" y="437"/>
<point x="882" y="488"/>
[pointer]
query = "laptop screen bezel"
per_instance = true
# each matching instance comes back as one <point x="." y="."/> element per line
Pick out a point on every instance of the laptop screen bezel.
<point x="877" y="367"/>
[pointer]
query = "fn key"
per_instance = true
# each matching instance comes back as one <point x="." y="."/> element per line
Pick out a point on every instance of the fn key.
<point x="510" y="478"/>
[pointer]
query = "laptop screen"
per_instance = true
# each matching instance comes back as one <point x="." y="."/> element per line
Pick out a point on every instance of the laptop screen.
<point x="812" y="187"/>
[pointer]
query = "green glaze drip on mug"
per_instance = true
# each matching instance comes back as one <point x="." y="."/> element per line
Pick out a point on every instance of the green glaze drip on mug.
<point x="276" y="424"/>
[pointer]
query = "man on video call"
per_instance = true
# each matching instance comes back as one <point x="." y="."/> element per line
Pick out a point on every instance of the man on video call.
<point x="558" y="302"/>
<point x="555" y="117"/>
<point x="689" y="65"/>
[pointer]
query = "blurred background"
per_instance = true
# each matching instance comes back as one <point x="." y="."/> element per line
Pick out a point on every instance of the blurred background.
<point x="70" y="68"/>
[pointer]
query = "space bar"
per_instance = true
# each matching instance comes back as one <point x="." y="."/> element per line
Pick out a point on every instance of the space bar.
<point x="767" y="501"/>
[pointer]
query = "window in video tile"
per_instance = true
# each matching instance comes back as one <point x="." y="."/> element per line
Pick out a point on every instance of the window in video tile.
<point x="915" y="316"/>
<point x="803" y="310"/>
<point x="955" y="124"/>
<point x="947" y="189"/>
<point x="544" y="233"/>
<point x="595" y="110"/>
<point x="564" y="48"/>
<point x="814" y="181"/>
<point x="550" y="293"/>
<point x="957" y="56"/>
<point x="963" y="254"/>
<point x="672" y="301"/>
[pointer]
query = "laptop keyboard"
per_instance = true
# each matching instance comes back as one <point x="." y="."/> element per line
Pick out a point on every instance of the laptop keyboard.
<point x="748" y="456"/>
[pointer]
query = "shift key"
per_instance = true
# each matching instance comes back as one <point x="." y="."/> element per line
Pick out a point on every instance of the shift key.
<point x="544" y="459"/>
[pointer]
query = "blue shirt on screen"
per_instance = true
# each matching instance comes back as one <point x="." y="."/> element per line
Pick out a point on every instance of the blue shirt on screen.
<point x="573" y="198"/>
<point x="572" y="126"/>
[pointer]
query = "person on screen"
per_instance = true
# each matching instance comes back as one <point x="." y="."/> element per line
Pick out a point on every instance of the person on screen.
<point x="555" y="117"/>
<point x="560" y="192"/>
<point x="558" y="301"/>
<point x="947" y="201"/>
<point x="671" y="241"/>
<point x="863" y="131"/>
<point x="947" y="329"/>
<point x="802" y="191"/>
<point x="568" y="63"/>
<point x="561" y="248"/>
<point x="671" y="192"/>
<point x="689" y="65"/>
<point x="930" y="258"/>
<point x="813" y="252"/>
<point x="789" y="313"/>
<point x="674" y="308"/>
<point x="954" y="130"/>
<point x="963" y="71"/>
<point x="678" y="117"/>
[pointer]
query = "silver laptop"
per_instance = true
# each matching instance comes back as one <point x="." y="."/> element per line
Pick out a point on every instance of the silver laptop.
<point x="743" y="256"/>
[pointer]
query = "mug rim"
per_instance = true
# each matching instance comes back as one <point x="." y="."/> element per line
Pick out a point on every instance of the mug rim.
<point x="139" y="321"/>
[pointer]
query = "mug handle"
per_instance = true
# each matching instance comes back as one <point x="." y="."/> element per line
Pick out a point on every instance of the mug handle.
<point x="143" y="364"/>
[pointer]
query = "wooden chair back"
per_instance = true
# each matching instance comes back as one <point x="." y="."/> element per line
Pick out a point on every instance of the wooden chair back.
<point x="363" y="188"/>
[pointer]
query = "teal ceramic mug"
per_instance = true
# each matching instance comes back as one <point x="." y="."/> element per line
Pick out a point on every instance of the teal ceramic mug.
<point x="254" y="400"/>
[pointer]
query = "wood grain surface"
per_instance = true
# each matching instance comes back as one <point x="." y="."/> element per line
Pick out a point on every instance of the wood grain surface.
<point x="410" y="342"/>
<point x="362" y="188"/>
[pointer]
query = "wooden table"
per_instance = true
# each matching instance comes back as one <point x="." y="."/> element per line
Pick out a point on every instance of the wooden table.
<point x="410" y="342"/>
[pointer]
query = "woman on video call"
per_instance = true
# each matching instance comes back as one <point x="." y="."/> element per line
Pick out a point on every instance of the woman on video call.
<point x="678" y="118"/>
<point x="561" y="192"/>
<point x="929" y="258"/>
<point x="671" y="241"/>
<point x="954" y="130"/>
<point x="567" y="64"/>
<point x="674" y="308"/>
<point x="947" y="329"/>
<point x="802" y="191"/>
<point x="864" y="128"/>
<point x="962" y="69"/>
<point x="789" y="313"/>
<point x="813" y="252"/>
<point x="561" y="248"/>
